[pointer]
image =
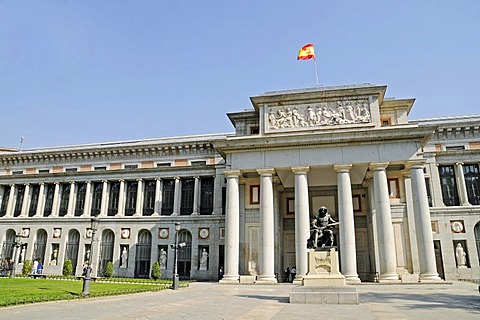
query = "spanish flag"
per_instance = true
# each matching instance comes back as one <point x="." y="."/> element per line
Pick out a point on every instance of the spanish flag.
<point x="306" y="52"/>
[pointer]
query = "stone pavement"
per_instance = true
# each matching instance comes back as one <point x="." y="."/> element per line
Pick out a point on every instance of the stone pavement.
<point x="459" y="300"/>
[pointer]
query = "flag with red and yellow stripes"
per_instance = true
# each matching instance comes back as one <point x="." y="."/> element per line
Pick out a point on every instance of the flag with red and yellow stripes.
<point x="306" y="52"/>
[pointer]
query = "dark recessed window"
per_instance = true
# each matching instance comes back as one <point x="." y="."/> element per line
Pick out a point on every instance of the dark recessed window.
<point x="254" y="130"/>
<point x="44" y="171"/>
<point x="71" y="169"/>
<point x="198" y="163"/>
<point x="164" y="164"/>
<point x="17" y="172"/>
<point x="99" y="168"/>
<point x="131" y="166"/>
<point x="448" y="148"/>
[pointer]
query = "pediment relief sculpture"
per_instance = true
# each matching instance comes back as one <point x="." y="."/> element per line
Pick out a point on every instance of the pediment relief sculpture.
<point x="318" y="115"/>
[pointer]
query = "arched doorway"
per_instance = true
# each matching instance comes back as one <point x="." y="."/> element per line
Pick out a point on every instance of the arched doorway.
<point x="8" y="245"/>
<point x="40" y="246"/>
<point x="476" y="230"/>
<point x="184" y="259"/>
<point x="72" y="248"/>
<point x="106" y="250"/>
<point x="143" y="254"/>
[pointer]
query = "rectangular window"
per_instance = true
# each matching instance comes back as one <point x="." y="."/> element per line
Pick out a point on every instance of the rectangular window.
<point x="19" y="201"/>
<point x="44" y="171"/>
<point x="113" y="198"/>
<point x="164" y="164"/>
<point x="17" y="172"/>
<point x="47" y="210"/>
<point x="472" y="182"/>
<point x="71" y="170"/>
<point x="131" y="166"/>
<point x="393" y="188"/>
<point x="80" y="201"/>
<point x="168" y="196"/>
<point x="255" y="194"/>
<point x="429" y="192"/>
<point x="206" y="195"/>
<point x="131" y="205"/>
<point x="149" y="198"/>
<point x="450" y="148"/>
<point x="97" y="198"/>
<point x="32" y="210"/>
<point x="4" y="204"/>
<point x="186" y="203"/>
<point x="64" y="199"/>
<point x="449" y="185"/>
<point x="102" y="168"/>
<point x="198" y="163"/>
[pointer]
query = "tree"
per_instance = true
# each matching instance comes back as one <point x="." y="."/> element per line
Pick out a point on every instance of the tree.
<point x="67" y="268"/>
<point x="108" y="272"/>
<point x="156" y="271"/>
<point x="27" y="267"/>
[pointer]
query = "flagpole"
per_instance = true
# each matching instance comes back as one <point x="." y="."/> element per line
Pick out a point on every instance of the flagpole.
<point x="316" y="71"/>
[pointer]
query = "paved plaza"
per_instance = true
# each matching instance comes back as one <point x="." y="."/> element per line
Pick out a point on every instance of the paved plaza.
<point x="458" y="300"/>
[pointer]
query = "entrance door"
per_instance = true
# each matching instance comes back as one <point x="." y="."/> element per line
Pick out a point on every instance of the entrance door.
<point x="106" y="250"/>
<point x="184" y="259"/>
<point x="438" y="258"/>
<point x="143" y="254"/>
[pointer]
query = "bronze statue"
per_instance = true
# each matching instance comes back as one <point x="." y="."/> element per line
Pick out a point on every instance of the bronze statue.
<point x="321" y="233"/>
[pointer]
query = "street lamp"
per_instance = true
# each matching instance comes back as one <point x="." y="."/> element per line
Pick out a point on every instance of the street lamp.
<point x="176" y="246"/>
<point x="15" y="254"/>
<point x="88" y="271"/>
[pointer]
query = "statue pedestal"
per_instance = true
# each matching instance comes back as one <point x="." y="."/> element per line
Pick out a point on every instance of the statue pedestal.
<point x="323" y="283"/>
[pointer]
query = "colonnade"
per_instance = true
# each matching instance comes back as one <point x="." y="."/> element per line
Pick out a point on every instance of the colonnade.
<point x="104" y="207"/>
<point x="385" y="239"/>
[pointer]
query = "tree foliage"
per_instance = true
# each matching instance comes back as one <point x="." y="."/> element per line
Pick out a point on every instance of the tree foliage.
<point x="156" y="271"/>
<point x="27" y="267"/>
<point x="67" y="268"/>
<point x="108" y="272"/>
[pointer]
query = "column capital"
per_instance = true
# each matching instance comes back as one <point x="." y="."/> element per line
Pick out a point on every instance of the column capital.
<point x="57" y="183"/>
<point x="121" y="180"/>
<point x="459" y="163"/>
<point x="176" y="178"/>
<point x="232" y="173"/>
<point x="72" y="182"/>
<point x="140" y="179"/>
<point x="342" y="167"/>
<point x="266" y="171"/>
<point x="12" y="185"/>
<point x="158" y="179"/>
<point x="415" y="164"/>
<point x="378" y="166"/>
<point x="104" y="181"/>
<point x="300" y="170"/>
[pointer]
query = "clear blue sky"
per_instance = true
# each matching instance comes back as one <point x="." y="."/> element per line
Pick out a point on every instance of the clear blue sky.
<point x="74" y="72"/>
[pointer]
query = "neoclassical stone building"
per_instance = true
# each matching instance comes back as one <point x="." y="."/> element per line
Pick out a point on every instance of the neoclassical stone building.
<point x="406" y="194"/>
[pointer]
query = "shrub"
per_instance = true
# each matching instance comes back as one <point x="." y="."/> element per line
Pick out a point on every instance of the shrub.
<point x="27" y="267"/>
<point x="156" y="271"/>
<point x="67" y="268"/>
<point x="108" y="272"/>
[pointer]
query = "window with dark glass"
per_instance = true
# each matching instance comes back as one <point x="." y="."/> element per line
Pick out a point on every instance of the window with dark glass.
<point x="186" y="202"/>
<point x="17" y="172"/>
<point x="198" y="163"/>
<point x="131" y="198"/>
<point x="131" y="166"/>
<point x="449" y="185"/>
<point x="168" y="196"/>
<point x="149" y="198"/>
<point x="103" y="168"/>
<point x="6" y="196"/>
<point x="429" y="192"/>
<point x="472" y="182"/>
<point x="32" y="210"/>
<point x="80" y="201"/>
<point x="206" y="195"/>
<point x="97" y="198"/>
<point x="64" y="198"/>
<point x="50" y="191"/>
<point x="113" y="198"/>
<point x="19" y="201"/>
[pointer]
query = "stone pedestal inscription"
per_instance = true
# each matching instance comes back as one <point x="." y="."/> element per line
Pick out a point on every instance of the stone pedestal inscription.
<point x="323" y="269"/>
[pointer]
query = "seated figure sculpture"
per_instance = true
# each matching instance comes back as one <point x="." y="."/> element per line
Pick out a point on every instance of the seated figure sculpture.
<point x="321" y="233"/>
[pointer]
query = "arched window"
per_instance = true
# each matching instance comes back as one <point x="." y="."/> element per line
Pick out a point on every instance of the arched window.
<point x="184" y="255"/>
<point x="477" y="239"/>
<point x="143" y="254"/>
<point x="72" y="248"/>
<point x="106" y="249"/>
<point x="8" y="245"/>
<point x="40" y="245"/>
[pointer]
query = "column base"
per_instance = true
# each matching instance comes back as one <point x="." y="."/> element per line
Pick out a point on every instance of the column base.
<point x="174" y="214"/>
<point x="266" y="279"/>
<point x="230" y="279"/>
<point x="352" y="280"/>
<point x="194" y="214"/>
<point x="388" y="278"/>
<point x="432" y="277"/>
<point x="298" y="280"/>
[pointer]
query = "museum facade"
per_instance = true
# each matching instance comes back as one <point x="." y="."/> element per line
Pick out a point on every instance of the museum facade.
<point x="406" y="194"/>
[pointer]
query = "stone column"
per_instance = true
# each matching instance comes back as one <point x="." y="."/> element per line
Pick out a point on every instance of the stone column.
<point x="461" y="186"/>
<point x="121" y="199"/>
<point x="196" y="196"/>
<point x="217" y="192"/>
<point x="11" y="200"/>
<point x="267" y="232"/>
<point x="41" y="200"/>
<point x="71" y="200"/>
<point x="56" y="200"/>
<point x="177" y="197"/>
<point x="139" y="206"/>
<point x="423" y="224"/>
<point x="104" y="203"/>
<point x="232" y="227"/>
<point x="411" y="223"/>
<point x="26" y="201"/>
<point x="302" y="223"/>
<point x="158" y="197"/>
<point x="436" y="190"/>
<point x="386" y="238"/>
<point x="348" y="254"/>
<point x="88" y="199"/>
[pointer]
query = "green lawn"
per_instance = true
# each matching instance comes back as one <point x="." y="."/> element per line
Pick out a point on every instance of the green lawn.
<point x="21" y="290"/>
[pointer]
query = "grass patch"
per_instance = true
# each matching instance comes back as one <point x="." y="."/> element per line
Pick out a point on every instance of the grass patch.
<point x="22" y="291"/>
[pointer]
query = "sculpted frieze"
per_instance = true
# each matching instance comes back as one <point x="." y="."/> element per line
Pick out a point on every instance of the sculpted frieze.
<point x="318" y="115"/>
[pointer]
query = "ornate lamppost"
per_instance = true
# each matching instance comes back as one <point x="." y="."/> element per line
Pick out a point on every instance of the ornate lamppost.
<point x="176" y="246"/>
<point x="17" y="244"/>
<point x="88" y="271"/>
